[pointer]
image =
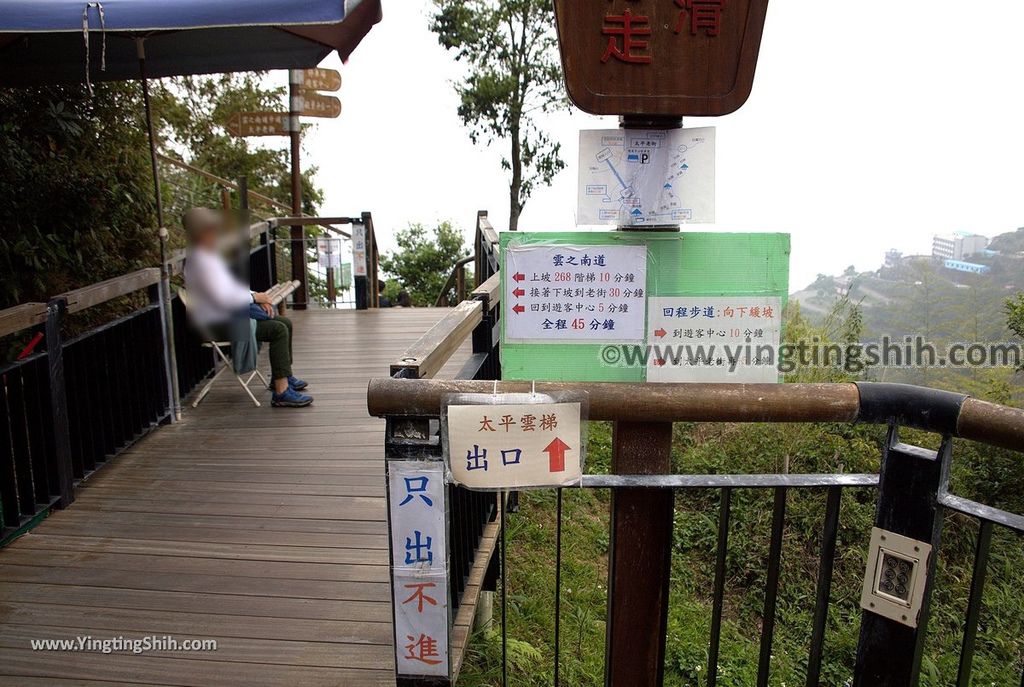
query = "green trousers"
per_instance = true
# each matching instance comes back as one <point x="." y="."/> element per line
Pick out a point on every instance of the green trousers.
<point x="278" y="333"/>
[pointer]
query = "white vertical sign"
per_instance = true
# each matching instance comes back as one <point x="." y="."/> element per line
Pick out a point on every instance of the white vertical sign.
<point x="359" y="250"/>
<point x="419" y="564"/>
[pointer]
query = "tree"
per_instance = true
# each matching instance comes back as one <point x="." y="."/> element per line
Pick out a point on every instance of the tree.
<point x="77" y="196"/>
<point x="424" y="259"/>
<point x="514" y="73"/>
<point x="1015" y="318"/>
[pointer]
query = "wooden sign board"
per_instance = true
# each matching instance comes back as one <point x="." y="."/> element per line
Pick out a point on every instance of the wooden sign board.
<point x="313" y="104"/>
<point x="264" y="123"/>
<point x="660" y="57"/>
<point x="320" y="79"/>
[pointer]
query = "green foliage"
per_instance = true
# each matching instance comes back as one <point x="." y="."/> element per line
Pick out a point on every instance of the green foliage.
<point x="1014" y="308"/>
<point x="78" y="202"/>
<point x="424" y="260"/>
<point x="194" y="110"/>
<point x="510" y="48"/>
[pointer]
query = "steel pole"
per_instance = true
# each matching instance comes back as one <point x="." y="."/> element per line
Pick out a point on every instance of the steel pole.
<point x="170" y="354"/>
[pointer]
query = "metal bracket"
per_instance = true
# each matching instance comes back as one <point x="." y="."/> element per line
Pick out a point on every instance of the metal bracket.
<point x="896" y="577"/>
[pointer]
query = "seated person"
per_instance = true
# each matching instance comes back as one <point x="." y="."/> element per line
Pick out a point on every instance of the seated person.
<point x="217" y="298"/>
<point x="382" y="300"/>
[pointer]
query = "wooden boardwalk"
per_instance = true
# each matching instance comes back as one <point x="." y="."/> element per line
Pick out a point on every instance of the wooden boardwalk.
<point x="261" y="528"/>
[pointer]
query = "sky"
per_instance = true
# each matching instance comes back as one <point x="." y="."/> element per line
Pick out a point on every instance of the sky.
<point x="871" y="126"/>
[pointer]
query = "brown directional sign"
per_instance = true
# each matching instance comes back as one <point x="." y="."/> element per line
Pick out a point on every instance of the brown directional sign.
<point x="660" y="57"/>
<point x="321" y="79"/>
<point x="318" y="105"/>
<point x="258" y="124"/>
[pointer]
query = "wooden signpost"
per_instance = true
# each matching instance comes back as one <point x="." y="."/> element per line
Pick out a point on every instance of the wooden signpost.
<point x="660" y="57"/>
<point x="315" y="104"/>
<point x="265" y="123"/>
<point x="320" y="79"/>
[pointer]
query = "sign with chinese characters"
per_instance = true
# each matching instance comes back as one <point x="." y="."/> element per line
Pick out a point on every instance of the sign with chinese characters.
<point x="358" y="249"/>
<point x="318" y="79"/>
<point x="258" y="124"/>
<point x="419" y="560"/>
<point x="636" y="176"/>
<point x="660" y="57"/>
<point x="327" y="252"/>
<point x="514" y="446"/>
<point x="313" y="104"/>
<point x="575" y="293"/>
<point x="688" y="266"/>
<point x="714" y="339"/>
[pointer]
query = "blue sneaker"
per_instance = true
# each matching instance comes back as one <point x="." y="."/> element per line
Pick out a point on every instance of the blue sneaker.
<point x="297" y="384"/>
<point x="290" y="399"/>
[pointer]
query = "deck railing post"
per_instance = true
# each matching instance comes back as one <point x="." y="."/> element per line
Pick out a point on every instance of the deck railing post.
<point x="639" y="560"/>
<point x="55" y="311"/>
<point x="419" y="537"/>
<point x="890" y="648"/>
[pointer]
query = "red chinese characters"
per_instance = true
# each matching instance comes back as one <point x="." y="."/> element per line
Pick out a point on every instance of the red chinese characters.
<point x="704" y="15"/>
<point x="628" y="32"/>
<point x="626" y="26"/>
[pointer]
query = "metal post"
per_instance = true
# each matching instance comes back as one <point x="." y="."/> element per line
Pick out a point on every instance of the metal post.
<point x="889" y="652"/>
<point x="170" y="354"/>
<point x="300" y="298"/>
<point x="639" y="560"/>
<point x="55" y="311"/>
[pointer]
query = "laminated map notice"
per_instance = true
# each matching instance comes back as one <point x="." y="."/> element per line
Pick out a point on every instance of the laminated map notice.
<point x="647" y="177"/>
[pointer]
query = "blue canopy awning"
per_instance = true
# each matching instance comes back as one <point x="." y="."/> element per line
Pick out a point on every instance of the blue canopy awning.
<point x="44" y="41"/>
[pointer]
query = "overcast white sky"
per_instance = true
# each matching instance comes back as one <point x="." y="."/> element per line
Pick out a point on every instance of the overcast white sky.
<point x="872" y="125"/>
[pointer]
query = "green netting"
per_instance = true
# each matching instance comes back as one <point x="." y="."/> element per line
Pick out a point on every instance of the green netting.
<point x="678" y="264"/>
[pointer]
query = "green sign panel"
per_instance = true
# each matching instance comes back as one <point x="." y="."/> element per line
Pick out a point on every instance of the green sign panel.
<point x="642" y="306"/>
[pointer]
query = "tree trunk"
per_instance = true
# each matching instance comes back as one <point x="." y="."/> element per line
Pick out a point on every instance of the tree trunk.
<point x="514" y="188"/>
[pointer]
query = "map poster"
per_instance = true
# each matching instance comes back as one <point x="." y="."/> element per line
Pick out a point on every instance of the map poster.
<point x="575" y="293"/>
<point x="632" y="177"/>
<point x="710" y="339"/>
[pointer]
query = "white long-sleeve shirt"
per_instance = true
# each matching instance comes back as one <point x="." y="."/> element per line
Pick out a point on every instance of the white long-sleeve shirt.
<point x="214" y="292"/>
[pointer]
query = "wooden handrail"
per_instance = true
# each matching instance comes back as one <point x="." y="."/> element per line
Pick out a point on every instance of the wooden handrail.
<point x="929" y="409"/>
<point x="94" y="294"/>
<point x="21" y="317"/>
<point x="432" y="350"/>
<point x="453" y="278"/>
<point x="490" y="289"/>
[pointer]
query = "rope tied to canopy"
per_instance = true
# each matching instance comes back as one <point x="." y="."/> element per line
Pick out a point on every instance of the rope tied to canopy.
<point x="85" y="37"/>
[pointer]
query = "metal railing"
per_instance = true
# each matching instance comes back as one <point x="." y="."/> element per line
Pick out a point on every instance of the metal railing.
<point x="912" y="497"/>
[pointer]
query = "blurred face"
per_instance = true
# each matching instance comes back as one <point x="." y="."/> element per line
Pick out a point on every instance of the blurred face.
<point x="204" y="227"/>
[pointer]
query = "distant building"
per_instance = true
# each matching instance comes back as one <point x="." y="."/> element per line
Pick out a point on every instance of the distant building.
<point x="961" y="266"/>
<point x="960" y="245"/>
<point x="893" y="257"/>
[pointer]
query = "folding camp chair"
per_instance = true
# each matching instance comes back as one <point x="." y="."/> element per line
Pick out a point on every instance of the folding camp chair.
<point x="209" y="341"/>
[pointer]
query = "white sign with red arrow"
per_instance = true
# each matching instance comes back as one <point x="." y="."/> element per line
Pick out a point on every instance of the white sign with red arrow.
<point x="514" y="446"/>
<point x="575" y="294"/>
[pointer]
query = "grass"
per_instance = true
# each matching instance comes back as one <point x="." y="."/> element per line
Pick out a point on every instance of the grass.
<point x="989" y="475"/>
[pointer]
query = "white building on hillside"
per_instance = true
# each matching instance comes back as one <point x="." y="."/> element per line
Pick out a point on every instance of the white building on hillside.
<point x="960" y="245"/>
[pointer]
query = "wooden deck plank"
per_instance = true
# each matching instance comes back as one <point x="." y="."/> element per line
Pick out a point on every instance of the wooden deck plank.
<point x="262" y="528"/>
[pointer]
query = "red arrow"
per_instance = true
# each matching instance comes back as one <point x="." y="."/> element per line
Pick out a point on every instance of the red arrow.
<point x="519" y="276"/>
<point x="519" y="293"/>
<point x="660" y="333"/>
<point x="556" y="455"/>
<point x="519" y="308"/>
